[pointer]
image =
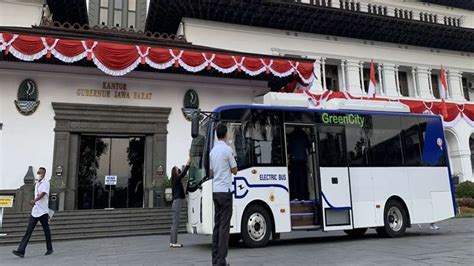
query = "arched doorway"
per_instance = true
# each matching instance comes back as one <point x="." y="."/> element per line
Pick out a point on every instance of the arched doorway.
<point x="471" y="145"/>
<point x="452" y="144"/>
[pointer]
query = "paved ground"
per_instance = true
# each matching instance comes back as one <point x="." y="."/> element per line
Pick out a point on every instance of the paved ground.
<point x="452" y="244"/>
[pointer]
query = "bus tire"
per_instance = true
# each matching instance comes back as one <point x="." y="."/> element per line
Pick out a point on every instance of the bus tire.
<point x="395" y="220"/>
<point x="256" y="227"/>
<point x="358" y="232"/>
<point x="234" y="239"/>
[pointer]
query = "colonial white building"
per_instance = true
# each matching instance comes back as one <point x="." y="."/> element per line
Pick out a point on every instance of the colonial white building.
<point x="408" y="41"/>
<point x="83" y="105"/>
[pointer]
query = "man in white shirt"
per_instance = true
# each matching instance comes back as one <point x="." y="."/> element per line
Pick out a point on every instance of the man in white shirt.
<point x="40" y="212"/>
<point x="222" y="166"/>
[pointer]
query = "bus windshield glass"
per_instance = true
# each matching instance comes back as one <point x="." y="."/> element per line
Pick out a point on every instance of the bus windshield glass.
<point x="197" y="171"/>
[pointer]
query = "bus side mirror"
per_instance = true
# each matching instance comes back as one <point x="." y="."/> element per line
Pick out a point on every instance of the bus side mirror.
<point x="195" y="125"/>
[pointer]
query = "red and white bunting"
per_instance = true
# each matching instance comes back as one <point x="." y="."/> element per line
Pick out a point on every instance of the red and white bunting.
<point x="455" y="112"/>
<point x="118" y="59"/>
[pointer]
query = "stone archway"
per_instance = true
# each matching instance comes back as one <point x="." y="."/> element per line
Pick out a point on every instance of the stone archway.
<point x="471" y="146"/>
<point x="452" y="144"/>
<point x="72" y="120"/>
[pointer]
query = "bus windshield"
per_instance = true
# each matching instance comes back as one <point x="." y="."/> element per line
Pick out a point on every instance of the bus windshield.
<point x="197" y="170"/>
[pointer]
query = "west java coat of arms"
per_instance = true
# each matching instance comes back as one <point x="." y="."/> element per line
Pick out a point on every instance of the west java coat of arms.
<point x="27" y="99"/>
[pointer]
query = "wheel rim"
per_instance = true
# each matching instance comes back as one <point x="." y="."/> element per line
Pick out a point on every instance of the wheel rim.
<point x="257" y="226"/>
<point x="395" y="219"/>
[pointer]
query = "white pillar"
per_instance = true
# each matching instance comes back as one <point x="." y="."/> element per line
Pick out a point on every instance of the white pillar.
<point x="390" y="11"/>
<point x="413" y="75"/>
<point x="454" y="79"/>
<point x="323" y="64"/>
<point x="353" y="77"/>
<point x="361" y="70"/>
<point x="460" y="85"/>
<point x="430" y="83"/>
<point x="397" y="80"/>
<point x="423" y="83"/>
<point x="381" y="84"/>
<point x="343" y="73"/>
<point x="389" y="77"/>
<point x="335" y="4"/>
<point x="317" y="87"/>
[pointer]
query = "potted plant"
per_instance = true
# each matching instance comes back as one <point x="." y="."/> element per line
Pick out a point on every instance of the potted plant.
<point x="168" y="189"/>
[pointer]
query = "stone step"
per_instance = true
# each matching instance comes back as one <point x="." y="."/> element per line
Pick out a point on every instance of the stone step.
<point x="166" y="215"/>
<point x="91" y="226"/>
<point x="85" y="231"/>
<point x="95" y="220"/>
<point x="40" y="238"/>
<point x="96" y="212"/>
<point x="83" y="224"/>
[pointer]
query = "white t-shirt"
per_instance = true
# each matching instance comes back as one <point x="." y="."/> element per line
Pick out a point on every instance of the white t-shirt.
<point x="41" y="206"/>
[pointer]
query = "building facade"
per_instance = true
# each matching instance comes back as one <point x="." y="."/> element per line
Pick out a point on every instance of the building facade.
<point x="346" y="37"/>
<point x="92" y="102"/>
<point x="91" y="121"/>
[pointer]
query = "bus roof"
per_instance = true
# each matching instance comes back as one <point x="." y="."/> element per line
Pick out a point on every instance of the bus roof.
<point x="314" y="110"/>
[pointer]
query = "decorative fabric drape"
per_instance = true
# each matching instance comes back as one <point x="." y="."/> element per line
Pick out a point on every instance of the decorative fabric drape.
<point x="118" y="59"/>
<point x="456" y="112"/>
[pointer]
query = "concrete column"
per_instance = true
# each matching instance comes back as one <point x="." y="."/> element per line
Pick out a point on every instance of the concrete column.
<point x="323" y="67"/>
<point x="423" y="78"/>
<point x="430" y="83"/>
<point x="454" y="79"/>
<point x="343" y="75"/>
<point x="389" y="77"/>
<point x="460" y="85"/>
<point x="397" y="80"/>
<point x="415" y="87"/>
<point x="361" y="71"/>
<point x="364" y="7"/>
<point x="353" y="77"/>
<point x="335" y="4"/>
<point x="390" y="11"/>
<point x="381" y="83"/>
<point x="317" y="84"/>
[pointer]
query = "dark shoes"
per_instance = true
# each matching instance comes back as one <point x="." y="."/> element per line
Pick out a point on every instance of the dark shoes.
<point x="18" y="253"/>
<point x="22" y="255"/>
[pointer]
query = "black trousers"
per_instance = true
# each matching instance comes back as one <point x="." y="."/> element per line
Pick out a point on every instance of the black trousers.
<point x="220" y="235"/>
<point x="299" y="180"/>
<point x="31" y="226"/>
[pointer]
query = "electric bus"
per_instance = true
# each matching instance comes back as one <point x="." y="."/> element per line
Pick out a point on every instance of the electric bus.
<point x="304" y="168"/>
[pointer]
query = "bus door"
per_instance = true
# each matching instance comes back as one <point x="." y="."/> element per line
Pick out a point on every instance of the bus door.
<point x="334" y="178"/>
<point x="304" y="193"/>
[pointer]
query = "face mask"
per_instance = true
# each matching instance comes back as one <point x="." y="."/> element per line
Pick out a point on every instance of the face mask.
<point x="38" y="177"/>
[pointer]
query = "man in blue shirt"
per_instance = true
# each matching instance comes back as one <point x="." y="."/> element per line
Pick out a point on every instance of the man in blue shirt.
<point x="222" y="166"/>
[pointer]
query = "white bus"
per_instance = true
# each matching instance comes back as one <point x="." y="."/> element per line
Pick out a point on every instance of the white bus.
<point x="314" y="169"/>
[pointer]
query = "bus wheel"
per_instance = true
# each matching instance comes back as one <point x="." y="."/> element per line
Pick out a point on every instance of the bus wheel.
<point x="395" y="220"/>
<point x="234" y="239"/>
<point x="358" y="232"/>
<point x="256" y="227"/>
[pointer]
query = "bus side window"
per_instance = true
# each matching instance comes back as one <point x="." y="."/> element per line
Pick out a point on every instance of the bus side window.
<point x="385" y="141"/>
<point x="357" y="147"/>
<point x="412" y="143"/>
<point x="331" y="149"/>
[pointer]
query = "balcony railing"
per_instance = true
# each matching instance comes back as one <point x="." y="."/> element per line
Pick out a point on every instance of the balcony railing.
<point x="387" y="10"/>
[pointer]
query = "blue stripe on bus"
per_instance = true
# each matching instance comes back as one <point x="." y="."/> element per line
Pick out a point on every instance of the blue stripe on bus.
<point x="332" y="206"/>
<point x="253" y="186"/>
